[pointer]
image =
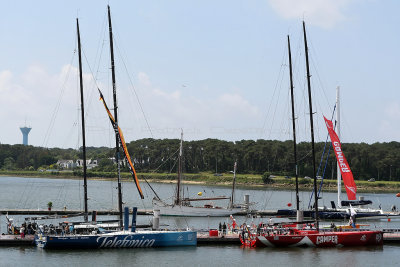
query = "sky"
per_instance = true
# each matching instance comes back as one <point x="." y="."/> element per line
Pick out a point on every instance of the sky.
<point x="214" y="69"/>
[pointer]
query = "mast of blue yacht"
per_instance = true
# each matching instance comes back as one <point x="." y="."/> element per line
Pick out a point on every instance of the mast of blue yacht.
<point x="311" y="126"/>
<point x="117" y="153"/>
<point x="299" y="215"/>
<point x="338" y="173"/>
<point x="85" y="197"/>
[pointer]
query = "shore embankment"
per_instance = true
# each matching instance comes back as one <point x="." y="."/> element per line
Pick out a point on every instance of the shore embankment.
<point x="225" y="179"/>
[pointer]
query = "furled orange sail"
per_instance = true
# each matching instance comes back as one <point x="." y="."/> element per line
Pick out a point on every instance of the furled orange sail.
<point x="123" y="145"/>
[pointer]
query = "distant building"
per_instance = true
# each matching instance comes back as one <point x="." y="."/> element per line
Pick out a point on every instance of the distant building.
<point x="65" y="164"/>
<point x="91" y="163"/>
<point x="70" y="164"/>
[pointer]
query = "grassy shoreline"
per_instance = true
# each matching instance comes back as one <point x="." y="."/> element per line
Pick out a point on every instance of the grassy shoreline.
<point x="242" y="180"/>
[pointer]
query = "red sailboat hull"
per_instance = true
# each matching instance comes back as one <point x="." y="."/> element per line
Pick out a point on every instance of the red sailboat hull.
<point x="320" y="239"/>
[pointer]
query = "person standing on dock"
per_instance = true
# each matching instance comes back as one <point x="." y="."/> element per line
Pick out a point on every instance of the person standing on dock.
<point x="220" y="228"/>
<point x="29" y="228"/>
<point x="224" y="229"/>
<point x="22" y="231"/>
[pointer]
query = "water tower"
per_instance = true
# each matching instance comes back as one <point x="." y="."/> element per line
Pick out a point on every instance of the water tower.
<point x="25" y="132"/>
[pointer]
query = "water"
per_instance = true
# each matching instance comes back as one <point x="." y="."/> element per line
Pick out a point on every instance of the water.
<point x="204" y="256"/>
<point x="34" y="193"/>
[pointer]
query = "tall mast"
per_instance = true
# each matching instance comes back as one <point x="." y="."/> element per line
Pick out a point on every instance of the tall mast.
<point x="117" y="155"/>
<point x="85" y="197"/>
<point x="338" y="173"/>
<point x="233" y="186"/>
<point x="294" y="126"/>
<point x="311" y="126"/>
<point x="178" y="185"/>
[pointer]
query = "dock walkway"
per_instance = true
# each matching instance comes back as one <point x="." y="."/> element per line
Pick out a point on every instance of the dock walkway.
<point x="105" y="212"/>
<point x="67" y="212"/>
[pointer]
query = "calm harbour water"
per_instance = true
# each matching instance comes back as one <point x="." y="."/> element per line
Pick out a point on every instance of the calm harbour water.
<point x="34" y="193"/>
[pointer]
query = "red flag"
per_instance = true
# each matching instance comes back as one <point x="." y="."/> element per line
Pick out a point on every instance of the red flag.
<point x="347" y="175"/>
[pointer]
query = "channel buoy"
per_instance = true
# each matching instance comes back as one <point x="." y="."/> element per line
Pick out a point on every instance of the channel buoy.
<point x="200" y="193"/>
<point x="289" y="204"/>
<point x="398" y="195"/>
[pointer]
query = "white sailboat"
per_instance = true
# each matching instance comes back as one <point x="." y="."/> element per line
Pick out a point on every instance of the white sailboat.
<point x="182" y="206"/>
<point x="345" y="208"/>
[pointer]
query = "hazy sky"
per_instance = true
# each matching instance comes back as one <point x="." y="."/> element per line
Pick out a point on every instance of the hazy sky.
<point x="216" y="69"/>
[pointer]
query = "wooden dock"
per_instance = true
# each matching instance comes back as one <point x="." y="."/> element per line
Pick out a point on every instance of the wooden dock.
<point x="228" y="239"/>
<point x="66" y="212"/>
<point x="16" y="240"/>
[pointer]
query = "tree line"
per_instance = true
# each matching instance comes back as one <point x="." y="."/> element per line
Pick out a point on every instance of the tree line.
<point x="379" y="160"/>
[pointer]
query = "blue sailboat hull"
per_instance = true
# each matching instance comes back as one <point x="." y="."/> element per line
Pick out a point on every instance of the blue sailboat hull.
<point x="143" y="239"/>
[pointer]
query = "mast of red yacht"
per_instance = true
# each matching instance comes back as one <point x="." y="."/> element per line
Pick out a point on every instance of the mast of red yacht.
<point x="298" y="212"/>
<point x="311" y="126"/>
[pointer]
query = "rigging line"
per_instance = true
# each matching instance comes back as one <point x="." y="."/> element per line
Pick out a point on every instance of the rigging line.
<point x="28" y="185"/>
<point x="71" y="130"/>
<point x="281" y="129"/>
<point x="134" y="90"/>
<point x="58" y="104"/>
<point x="321" y="160"/>
<point x="281" y="78"/>
<point x="23" y="197"/>
<point x="314" y="66"/>
<point x="279" y="81"/>
<point x="94" y="79"/>
<point x="77" y="120"/>
<point x="305" y="156"/>
<point x="173" y="166"/>
<point x="273" y="94"/>
<point x="348" y="129"/>
<point x="305" y="109"/>
<point x="267" y="199"/>
<point x="99" y="51"/>
<point x="165" y="162"/>
<point x="89" y="99"/>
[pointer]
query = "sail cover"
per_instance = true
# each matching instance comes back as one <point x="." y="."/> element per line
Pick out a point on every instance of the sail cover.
<point x="123" y="145"/>
<point x="347" y="175"/>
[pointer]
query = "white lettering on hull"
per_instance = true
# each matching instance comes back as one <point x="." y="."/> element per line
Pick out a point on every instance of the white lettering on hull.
<point x="127" y="242"/>
<point x="322" y="239"/>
